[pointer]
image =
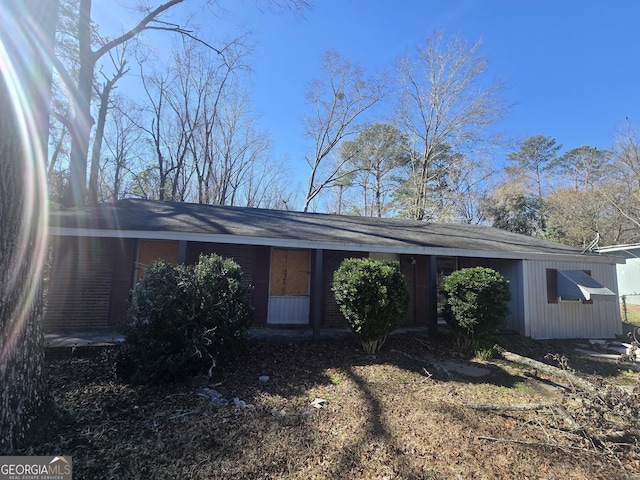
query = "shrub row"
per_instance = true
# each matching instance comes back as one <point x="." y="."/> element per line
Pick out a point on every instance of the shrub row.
<point x="186" y="319"/>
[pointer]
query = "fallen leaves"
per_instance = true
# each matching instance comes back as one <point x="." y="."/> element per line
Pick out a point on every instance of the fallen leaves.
<point x="373" y="417"/>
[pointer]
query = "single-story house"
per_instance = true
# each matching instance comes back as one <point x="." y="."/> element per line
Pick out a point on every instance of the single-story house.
<point x="99" y="253"/>
<point x="628" y="272"/>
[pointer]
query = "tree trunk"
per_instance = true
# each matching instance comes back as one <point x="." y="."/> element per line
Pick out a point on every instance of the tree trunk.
<point x="76" y="194"/>
<point x="573" y="380"/>
<point x="25" y="89"/>
<point x="92" y="189"/>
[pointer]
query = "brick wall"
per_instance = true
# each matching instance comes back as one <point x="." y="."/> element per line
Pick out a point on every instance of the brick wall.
<point x="332" y="316"/>
<point x="83" y="273"/>
<point x="243" y="255"/>
<point x="408" y="267"/>
<point x="331" y="261"/>
<point x="78" y="289"/>
<point x="252" y="269"/>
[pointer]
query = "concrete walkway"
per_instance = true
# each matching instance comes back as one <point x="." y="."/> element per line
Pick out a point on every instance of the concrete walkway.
<point x="93" y="338"/>
<point x="105" y="338"/>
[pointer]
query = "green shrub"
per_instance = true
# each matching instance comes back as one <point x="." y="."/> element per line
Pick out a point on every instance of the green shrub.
<point x="183" y="320"/>
<point x="372" y="295"/>
<point x="476" y="303"/>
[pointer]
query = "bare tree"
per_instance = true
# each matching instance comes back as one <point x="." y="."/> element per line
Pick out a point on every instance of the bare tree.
<point x="156" y="91"/>
<point x="203" y="131"/>
<point x="81" y="87"/>
<point x="575" y="217"/>
<point x="266" y="185"/>
<point x="622" y="187"/>
<point x="444" y="107"/>
<point x="472" y="186"/>
<point x="122" y="151"/>
<point x="104" y="94"/>
<point x="239" y="147"/>
<point x="229" y="154"/>
<point x="338" y="102"/>
<point x="25" y="87"/>
<point x="217" y="110"/>
<point x="66" y="52"/>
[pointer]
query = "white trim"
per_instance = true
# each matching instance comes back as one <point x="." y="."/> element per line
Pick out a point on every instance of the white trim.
<point x="310" y="244"/>
<point x="526" y="299"/>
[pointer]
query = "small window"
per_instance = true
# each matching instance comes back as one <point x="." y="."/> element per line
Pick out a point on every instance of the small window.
<point x="575" y="286"/>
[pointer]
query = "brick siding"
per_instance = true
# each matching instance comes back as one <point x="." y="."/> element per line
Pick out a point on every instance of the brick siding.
<point x="79" y="287"/>
<point x="83" y="275"/>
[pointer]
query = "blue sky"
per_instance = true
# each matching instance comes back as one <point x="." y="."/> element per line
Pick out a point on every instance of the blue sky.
<point x="571" y="67"/>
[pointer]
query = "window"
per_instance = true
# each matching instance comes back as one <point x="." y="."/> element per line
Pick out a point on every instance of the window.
<point x="575" y="285"/>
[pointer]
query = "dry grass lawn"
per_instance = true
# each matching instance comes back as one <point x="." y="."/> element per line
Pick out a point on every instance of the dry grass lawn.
<point x="388" y="416"/>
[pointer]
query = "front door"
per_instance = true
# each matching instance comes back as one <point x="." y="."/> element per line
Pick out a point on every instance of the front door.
<point x="289" y="287"/>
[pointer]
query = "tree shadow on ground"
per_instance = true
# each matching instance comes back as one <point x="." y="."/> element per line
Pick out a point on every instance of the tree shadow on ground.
<point x="386" y="415"/>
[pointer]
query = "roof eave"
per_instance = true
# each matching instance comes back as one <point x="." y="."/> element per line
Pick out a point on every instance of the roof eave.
<point x="327" y="245"/>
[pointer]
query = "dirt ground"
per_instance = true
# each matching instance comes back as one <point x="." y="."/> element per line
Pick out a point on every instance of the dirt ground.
<point x="328" y="411"/>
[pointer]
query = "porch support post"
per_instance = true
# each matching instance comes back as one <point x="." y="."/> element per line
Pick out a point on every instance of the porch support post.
<point x="182" y="251"/>
<point x="432" y="296"/>
<point x="316" y="293"/>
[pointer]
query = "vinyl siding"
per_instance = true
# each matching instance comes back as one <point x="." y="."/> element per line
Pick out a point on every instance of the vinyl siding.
<point x="599" y="319"/>
<point x="629" y="280"/>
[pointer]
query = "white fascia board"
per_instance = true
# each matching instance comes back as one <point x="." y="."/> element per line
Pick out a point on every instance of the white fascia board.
<point x="295" y="243"/>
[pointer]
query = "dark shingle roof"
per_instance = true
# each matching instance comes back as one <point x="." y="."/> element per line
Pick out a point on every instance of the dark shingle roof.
<point x="154" y="219"/>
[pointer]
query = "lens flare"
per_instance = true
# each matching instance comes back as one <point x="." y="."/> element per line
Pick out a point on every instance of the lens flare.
<point x="21" y="55"/>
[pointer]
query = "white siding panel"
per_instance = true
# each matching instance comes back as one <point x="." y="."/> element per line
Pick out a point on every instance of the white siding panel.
<point x="569" y="319"/>
<point x="289" y="310"/>
<point x="629" y="280"/>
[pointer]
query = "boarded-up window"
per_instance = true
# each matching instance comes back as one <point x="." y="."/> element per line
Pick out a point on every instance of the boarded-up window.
<point x="289" y="272"/>
<point x="151" y="250"/>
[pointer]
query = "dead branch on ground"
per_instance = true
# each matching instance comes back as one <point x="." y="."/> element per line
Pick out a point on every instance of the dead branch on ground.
<point x="606" y="415"/>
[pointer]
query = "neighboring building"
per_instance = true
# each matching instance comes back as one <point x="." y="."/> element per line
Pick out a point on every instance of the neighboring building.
<point x="628" y="272"/>
<point x="289" y="257"/>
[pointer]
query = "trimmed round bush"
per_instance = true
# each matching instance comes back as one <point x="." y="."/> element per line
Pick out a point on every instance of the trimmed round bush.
<point x="476" y="302"/>
<point x="372" y="295"/>
<point x="184" y="320"/>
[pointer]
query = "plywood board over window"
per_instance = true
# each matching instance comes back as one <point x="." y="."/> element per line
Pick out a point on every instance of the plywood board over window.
<point x="151" y="250"/>
<point x="289" y="273"/>
<point x="289" y="287"/>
